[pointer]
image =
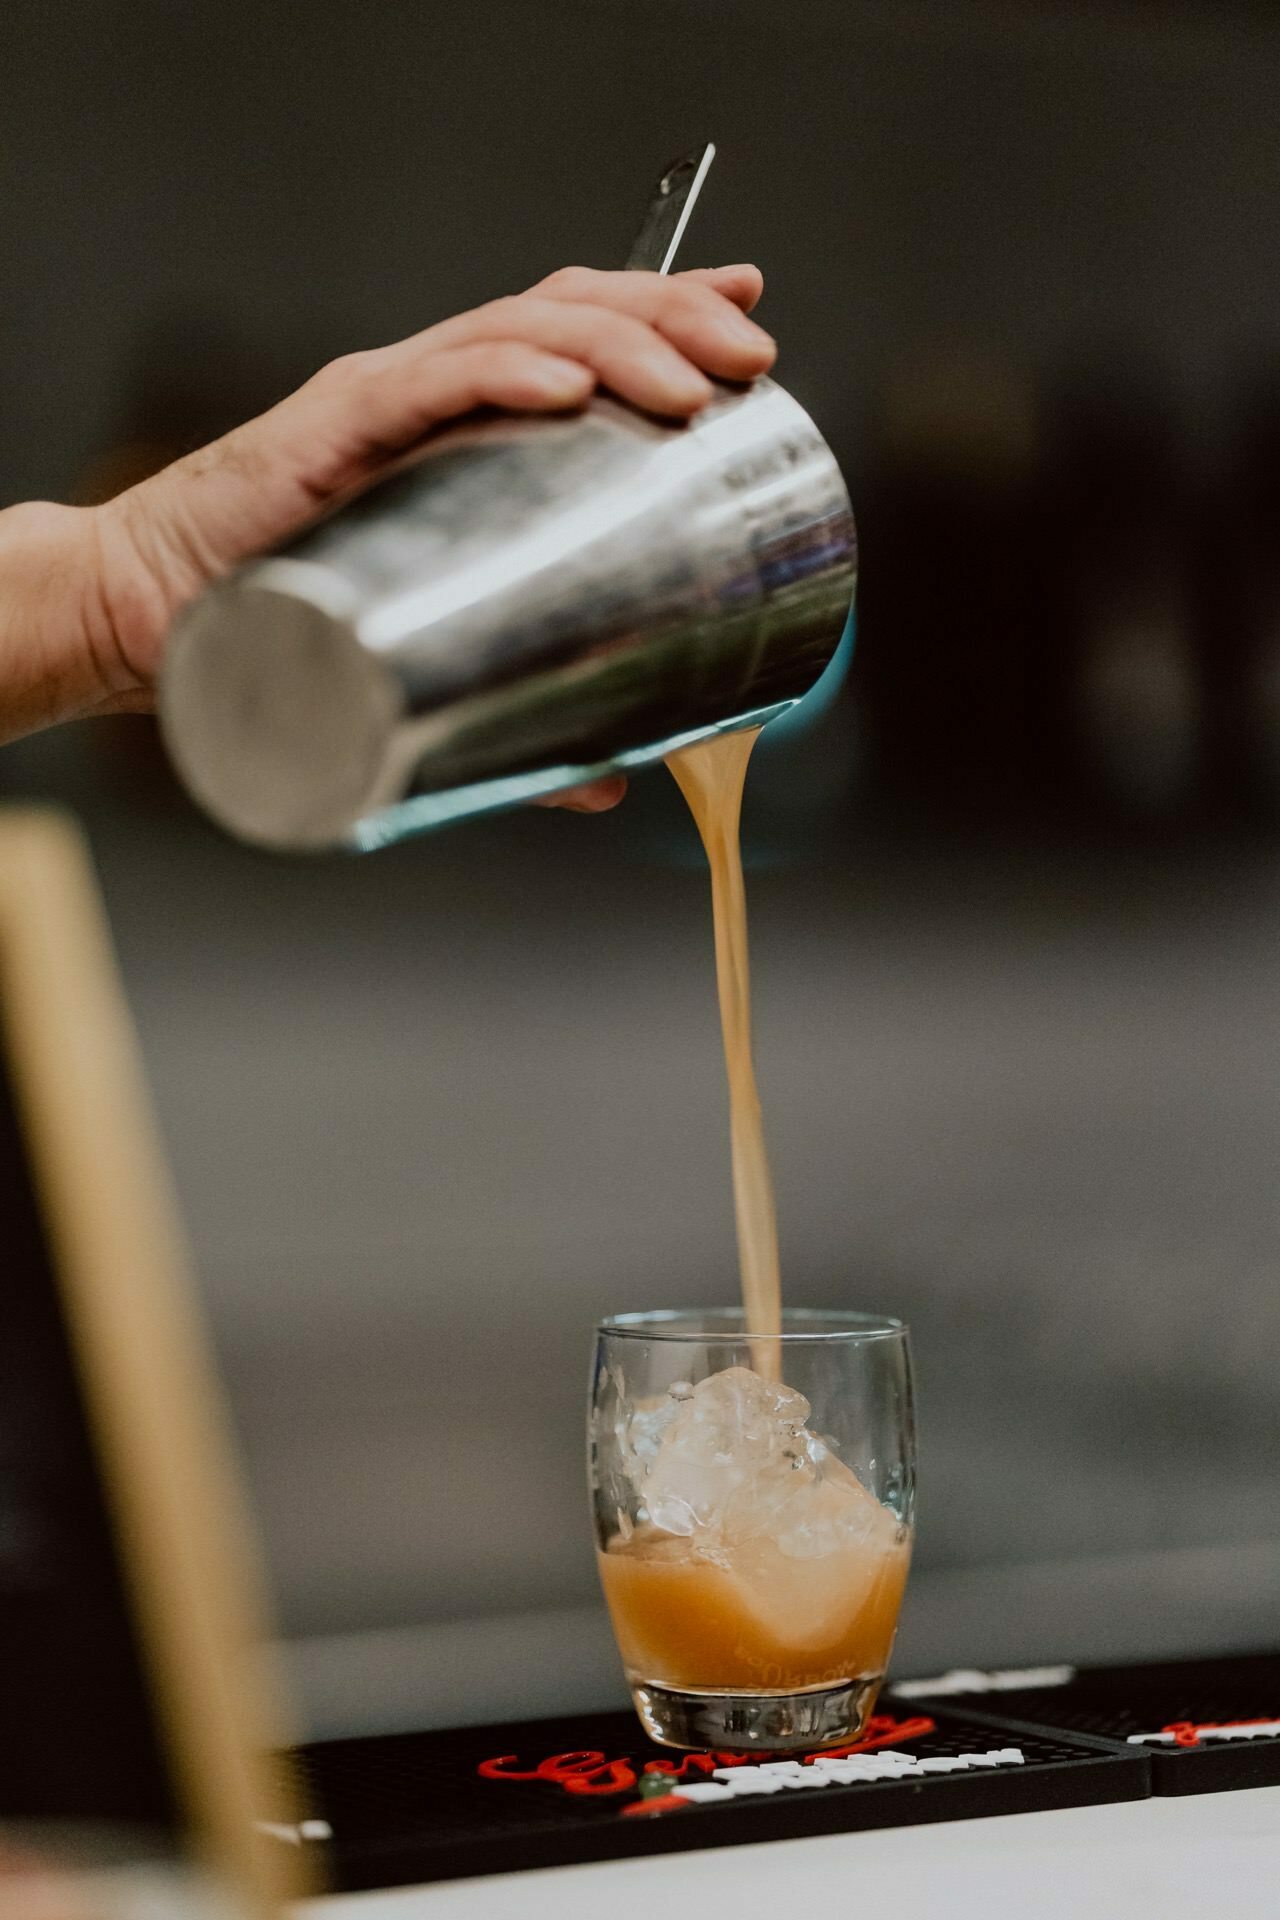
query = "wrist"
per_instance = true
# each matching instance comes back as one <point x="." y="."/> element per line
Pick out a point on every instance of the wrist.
<point x="55" y="657"/>
<point x="135" y="598"/>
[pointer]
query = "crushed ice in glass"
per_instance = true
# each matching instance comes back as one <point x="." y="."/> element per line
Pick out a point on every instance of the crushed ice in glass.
<point x="731" y="1461"/>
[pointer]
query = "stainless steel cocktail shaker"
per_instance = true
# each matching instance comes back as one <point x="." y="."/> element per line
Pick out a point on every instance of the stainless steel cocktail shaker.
<point x="526" y="604"/>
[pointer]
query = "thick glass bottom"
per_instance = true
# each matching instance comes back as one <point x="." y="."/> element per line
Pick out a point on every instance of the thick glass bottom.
<point x="757" y="1722"/>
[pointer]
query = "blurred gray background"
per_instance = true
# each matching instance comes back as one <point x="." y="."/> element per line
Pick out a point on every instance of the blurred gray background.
<point x="1015" y="894"/>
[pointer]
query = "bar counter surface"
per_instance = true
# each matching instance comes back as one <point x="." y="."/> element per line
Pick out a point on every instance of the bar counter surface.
<point x="1216" y="1853"/>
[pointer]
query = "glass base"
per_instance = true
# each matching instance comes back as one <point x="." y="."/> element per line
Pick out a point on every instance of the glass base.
<point x="757" y="1722"/>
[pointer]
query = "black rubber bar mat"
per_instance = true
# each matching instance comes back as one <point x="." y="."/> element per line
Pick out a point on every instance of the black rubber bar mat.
<point x="1208" y="1726"/>
<point x="395" y="1810"/>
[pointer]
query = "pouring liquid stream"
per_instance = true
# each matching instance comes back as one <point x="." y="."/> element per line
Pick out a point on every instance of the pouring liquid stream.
<point x="710" y="775"/>
<point x="716" y="1601"/>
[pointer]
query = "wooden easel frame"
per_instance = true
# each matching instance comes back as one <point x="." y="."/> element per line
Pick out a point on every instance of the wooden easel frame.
<point x="146" y="1381"/>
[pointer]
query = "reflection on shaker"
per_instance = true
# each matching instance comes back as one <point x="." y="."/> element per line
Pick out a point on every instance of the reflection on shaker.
<point x="528" y="604"/>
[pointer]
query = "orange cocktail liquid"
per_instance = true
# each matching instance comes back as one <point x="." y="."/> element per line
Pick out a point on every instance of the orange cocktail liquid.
<point x="755" y="1621"/>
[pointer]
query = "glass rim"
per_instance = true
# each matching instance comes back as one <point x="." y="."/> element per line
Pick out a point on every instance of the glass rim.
<point x="700" y="1326"/>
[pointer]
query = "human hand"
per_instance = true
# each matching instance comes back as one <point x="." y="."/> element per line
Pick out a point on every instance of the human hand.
<point x="650" y="339"/>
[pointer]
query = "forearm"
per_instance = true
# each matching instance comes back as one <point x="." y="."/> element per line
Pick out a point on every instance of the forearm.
<point x="57" y="658"/>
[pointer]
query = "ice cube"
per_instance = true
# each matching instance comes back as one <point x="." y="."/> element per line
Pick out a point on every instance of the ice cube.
<point x="735" y="1434"/>
<point x="644" y="1427"/>
<point x="732" y="1464"/>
